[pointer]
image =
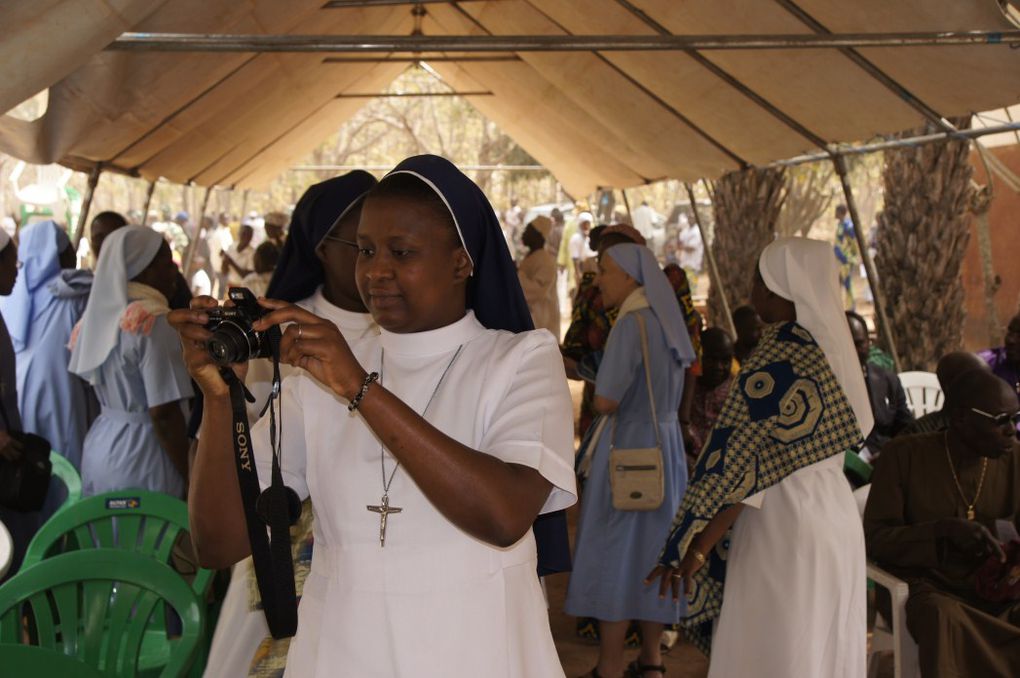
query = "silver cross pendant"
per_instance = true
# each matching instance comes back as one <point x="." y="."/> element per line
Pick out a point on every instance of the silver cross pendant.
<point x="384" y="510"/>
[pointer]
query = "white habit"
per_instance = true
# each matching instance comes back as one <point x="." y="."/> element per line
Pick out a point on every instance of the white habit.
<point x="776" y="579"/>
<point x="434" y="601"/>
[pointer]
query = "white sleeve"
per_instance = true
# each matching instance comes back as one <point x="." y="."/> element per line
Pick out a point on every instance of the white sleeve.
<point x="293" y="449"/>
<point x="575" y="246"/>
<point x="533" y="424"/>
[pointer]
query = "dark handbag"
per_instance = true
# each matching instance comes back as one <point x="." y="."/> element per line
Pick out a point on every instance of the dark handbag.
<point x="25" y="481"/>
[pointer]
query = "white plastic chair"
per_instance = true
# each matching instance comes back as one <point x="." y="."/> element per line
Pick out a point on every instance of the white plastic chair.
<point x="6" y="550"/>
<point x="893" y="635"/>
<point x="924" y="394"/>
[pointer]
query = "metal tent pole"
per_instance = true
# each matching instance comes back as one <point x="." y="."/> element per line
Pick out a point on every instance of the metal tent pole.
<point x="189" y="257"/>
<point x="869" y="267"/>
<point x="148" y="202"/>
<point x="713" y="270"/>
<point x="225" y="42"/>
<point x="86" y="204"/>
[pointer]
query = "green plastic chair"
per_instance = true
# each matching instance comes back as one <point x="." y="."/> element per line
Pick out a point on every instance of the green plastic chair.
<point x="32" y="660"/>
<point x="148" y="523"/>
<point x="135" y="520"/>
<point x="68" y="475"/>
<point x="97" y="606"/>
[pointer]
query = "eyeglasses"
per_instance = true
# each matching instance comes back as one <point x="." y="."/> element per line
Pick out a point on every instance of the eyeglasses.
<point x="342" y="241"/>
<point x="1000" y="419"/>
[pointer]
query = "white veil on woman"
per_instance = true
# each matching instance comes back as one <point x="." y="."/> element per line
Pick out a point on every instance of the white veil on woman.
<point x="804" y="271"/>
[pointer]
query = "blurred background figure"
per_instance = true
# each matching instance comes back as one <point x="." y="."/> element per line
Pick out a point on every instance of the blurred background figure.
<point x="264" y="263"/>
<point x="239" y="259"/>
<point x="537" y="273"/>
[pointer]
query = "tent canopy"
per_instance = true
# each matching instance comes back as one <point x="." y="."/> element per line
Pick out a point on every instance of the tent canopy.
<point x="595" y="118"/>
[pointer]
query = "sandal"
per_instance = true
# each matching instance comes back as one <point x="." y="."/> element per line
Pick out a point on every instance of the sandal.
<point x="637" y="670"/>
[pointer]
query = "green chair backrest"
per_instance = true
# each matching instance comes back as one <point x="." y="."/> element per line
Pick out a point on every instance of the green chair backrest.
<point x="135" y="520"/>
<point x="65" y="470"/>
<point x="97" y="605"/>
<point x="32" y="660"/>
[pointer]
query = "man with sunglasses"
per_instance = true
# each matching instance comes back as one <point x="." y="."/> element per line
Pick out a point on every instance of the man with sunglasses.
<point x="940" y="507"/>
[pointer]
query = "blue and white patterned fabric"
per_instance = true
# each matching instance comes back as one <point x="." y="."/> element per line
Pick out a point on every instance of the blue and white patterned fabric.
<point x="786" y="411"/>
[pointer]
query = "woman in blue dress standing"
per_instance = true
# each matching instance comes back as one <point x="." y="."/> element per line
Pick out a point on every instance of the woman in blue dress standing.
<point x="615" y="547"/>
<point x="126" y="349"/>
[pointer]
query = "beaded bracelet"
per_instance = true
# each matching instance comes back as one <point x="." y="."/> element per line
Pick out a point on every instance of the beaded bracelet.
<point x="356" y="400"/>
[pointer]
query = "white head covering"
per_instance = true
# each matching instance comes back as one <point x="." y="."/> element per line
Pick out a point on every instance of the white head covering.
<point x="585" y="216"/>
<point x="126" y="252"/>
<point x="5" y="238"/>
<point x="804" y="271"/>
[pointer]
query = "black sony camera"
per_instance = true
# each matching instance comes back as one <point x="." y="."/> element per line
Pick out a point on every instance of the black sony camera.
<point x="233" y="340"/>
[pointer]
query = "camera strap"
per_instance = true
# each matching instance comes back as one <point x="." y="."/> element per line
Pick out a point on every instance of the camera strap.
<point x="271" y="555"/>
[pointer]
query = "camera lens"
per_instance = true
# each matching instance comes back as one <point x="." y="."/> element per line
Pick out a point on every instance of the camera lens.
<point x="229" y="344"/>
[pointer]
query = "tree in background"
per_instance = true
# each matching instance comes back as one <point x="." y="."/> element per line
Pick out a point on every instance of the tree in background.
<point x="747" y="204"/>
<point x="921" y="243"/>
<point x="809" y="197"/>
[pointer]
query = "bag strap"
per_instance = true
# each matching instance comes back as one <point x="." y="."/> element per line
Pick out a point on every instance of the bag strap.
<point x="643" y="331"/>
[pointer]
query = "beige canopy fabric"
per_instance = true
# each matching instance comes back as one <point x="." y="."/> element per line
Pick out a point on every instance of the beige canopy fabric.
<point x="617" y="118"/>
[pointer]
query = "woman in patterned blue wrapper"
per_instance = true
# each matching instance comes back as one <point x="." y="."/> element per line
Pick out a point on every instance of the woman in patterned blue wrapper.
<point x="794" y="575"/>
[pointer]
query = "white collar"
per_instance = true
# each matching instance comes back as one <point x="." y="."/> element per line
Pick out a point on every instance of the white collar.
<point x="347" y="321"/>
<point x="433" y="342"/>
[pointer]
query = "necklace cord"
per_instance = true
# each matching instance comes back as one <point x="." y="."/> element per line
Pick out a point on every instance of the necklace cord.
<point x="382" y="448"/>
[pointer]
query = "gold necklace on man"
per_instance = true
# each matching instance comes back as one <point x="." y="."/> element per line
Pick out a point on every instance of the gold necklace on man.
<point x="383" y="508"/>
<point x="959" y="487"/>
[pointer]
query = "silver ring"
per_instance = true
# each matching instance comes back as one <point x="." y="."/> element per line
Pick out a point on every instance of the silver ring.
<point x="678" y="576"/>
<point x="299" y="330"/>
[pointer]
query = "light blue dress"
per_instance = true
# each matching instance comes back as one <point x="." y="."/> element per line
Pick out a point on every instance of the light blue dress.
<point x="121" y="449"/>
<point x="55" y="404"/>
<point x="615" y="550"/>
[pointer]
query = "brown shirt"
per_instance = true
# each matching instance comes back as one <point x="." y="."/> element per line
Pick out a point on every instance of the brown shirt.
<point x="912" y="488"/>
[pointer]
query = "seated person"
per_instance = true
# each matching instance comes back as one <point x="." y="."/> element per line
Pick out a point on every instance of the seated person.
<point x="950" y="368"/>
<point x="710" y="390"/>
<point x="888" y="401"/>
<point x="931" y="520"/>
<point x="1005" y="360"/>
<point x="749" y="328"/>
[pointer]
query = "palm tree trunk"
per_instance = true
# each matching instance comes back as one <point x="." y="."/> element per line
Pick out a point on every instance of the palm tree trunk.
<point x="920" y="248"/>
<point x="747" y="204"/>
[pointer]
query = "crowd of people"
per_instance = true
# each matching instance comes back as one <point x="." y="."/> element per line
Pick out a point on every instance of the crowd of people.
<point x="428" y="431"/>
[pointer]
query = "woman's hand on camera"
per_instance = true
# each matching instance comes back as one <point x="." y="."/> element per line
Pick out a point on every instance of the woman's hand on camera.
<point x="190" y="325"/>
<point x="314" y="344"/>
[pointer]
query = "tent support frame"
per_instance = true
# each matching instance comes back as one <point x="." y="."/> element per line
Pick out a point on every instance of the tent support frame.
<point x="226" y="42"/>
<point x="189" y="256"/>
<point x="713" y="270"/>
<point x="86" y="204"/>
<point x="869" y="267"/>
<point x="148" y="201"/>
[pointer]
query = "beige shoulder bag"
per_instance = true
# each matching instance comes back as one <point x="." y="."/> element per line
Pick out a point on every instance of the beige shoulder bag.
<point x="635" y="475"/>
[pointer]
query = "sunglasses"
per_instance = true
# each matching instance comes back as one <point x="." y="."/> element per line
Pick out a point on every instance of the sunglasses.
<point x="999" y="419"/>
